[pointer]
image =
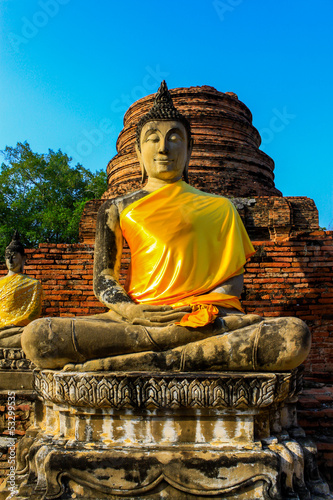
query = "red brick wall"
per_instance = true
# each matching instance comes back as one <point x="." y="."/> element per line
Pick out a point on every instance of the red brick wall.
<point x="315" y="416"/>
<point x="294" y="277"/>
<point x="23" y="409"/>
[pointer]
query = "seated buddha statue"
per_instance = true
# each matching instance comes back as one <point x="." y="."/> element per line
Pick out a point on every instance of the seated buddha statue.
<point x="180" y="308"/>
<point x="20" y="296"/>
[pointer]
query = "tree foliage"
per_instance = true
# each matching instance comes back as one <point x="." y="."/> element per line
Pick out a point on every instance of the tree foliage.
<point x="43" y="197"/>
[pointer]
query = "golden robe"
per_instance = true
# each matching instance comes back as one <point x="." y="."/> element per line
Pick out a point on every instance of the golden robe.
<point x="20" y="300"/>
<point x="184" y="243"/>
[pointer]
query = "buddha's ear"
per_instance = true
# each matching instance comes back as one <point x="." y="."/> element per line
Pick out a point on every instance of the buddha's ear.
<point x="143" y="170"/>
<point x="189" y="152"/>
<point x="190" y="146"/>
<point x="24" y="258"/>
<point x="185" y="174"/>
<point x="144" y="175"/>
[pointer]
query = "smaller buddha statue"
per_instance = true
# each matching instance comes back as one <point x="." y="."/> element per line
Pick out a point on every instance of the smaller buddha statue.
<point x="20" y="296"/>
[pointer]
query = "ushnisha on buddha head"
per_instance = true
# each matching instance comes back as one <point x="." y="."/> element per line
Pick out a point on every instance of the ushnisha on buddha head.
<point x="163" y="140"/>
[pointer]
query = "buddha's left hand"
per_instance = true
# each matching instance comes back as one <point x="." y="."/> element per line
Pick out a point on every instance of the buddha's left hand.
<point x="163" y="318"/>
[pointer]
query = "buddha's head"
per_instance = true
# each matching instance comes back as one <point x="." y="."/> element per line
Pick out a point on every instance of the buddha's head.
<point x="163" y="140"/>
<point x="14" y="255"/>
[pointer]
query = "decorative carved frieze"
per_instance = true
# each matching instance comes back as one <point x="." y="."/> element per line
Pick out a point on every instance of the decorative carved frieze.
<point x="186" y="390"/>
<point x="14" y="359"/>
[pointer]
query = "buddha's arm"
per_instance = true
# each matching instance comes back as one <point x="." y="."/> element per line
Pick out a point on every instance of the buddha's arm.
<point x="107" y="260"/>
<point x="233" y="286"/>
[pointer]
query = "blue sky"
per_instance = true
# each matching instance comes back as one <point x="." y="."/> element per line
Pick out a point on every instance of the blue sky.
<point x="71" y="68"/>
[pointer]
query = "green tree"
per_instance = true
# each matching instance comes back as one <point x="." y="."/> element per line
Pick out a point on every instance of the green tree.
<point x="43" y="197"/>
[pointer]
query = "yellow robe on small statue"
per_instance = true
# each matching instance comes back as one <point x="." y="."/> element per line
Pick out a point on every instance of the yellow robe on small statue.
<point x="20" y="300"/>
<point x="184" y="243"/>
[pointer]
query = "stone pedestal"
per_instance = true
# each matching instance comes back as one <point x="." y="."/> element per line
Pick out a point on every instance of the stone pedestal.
<point x="15" y="371"/>
<point x="151" y="436"/>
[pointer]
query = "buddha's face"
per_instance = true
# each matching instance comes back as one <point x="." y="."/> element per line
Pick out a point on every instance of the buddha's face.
<point x="14" y="261"/>
<point x="165" y="150"/>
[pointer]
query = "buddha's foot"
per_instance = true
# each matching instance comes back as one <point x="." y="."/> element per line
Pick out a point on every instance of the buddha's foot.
<point x="141" y="361"/>
<point x="10" y="336"/>
<point x="237" y="321"/>
<point x="94" y="365"/>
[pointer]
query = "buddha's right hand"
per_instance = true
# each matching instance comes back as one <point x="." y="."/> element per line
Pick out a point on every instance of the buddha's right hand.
<point x="150" y="315"/>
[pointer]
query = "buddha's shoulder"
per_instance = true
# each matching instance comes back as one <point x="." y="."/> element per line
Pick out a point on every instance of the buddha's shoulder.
<point x="123" y="201"/>
<point x="22" y="278"/>
<point x="30" y="279"/>
<point x="216" y="197"/>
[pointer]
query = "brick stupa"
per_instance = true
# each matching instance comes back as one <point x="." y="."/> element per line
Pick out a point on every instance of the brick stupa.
<point x="226" y="160"/>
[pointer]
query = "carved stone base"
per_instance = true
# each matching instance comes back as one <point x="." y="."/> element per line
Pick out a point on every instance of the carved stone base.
<point x="153" y="436"/>
<point x="12" y="358"/>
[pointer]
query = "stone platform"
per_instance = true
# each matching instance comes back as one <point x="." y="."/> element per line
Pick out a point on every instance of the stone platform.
<point x="102" y="435"/>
